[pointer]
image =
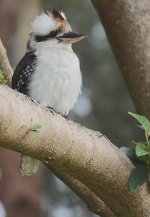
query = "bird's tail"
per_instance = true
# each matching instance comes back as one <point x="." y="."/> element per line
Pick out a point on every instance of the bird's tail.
<point x="29" y="165"/>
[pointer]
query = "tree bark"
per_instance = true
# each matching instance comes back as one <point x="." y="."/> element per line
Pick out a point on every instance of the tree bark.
<point x="127" y="24"/>
<point x="19" y="195"/>
<point x="70" y="148"/>
<point x="94" y="204"/>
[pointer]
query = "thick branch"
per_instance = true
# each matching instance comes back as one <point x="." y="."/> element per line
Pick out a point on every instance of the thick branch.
<point x="79" y="152"/>
<point x="93" y="203"/>
<point x="127" y="24"/>
<point x="4" y="63"/>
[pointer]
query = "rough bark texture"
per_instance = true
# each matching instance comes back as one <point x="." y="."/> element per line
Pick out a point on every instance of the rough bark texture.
<point x="21" y="196"/>
<point x="23" y="193"/>
<point x="81" y="153"/>
<point x="127" y="24"/>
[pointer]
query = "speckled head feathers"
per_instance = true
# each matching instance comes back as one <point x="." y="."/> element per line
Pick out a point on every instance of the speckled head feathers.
<point x="50" y="20"/>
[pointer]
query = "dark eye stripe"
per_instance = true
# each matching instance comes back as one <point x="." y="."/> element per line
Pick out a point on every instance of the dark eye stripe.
<point x="52" y="34"/>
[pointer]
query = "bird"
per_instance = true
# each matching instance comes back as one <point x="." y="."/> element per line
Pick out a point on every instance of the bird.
<point x="50" y="71"/>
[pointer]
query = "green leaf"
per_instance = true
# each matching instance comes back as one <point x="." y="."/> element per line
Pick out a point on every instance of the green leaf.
<point x="2" y="78"/>
<point x="36" y="127"/>
<point x="138" y="177"/>
<point x="142" y="119"/>
<point x="141" y="149"/>
<point x="143" y="158"/>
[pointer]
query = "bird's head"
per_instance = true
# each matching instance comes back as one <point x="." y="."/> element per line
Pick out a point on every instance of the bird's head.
<point x="52" y="28"/>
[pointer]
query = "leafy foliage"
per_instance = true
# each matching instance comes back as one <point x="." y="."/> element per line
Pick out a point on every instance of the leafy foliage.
<point x="141" y="149"/>
<point x="145" y="124"/>
<point x="2" y="79"/>
<point x="138" y="177"/>
<point x="140" y="155"/>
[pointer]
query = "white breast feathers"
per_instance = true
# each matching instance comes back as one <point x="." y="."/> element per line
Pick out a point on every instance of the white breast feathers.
<point x="57" y="79"/>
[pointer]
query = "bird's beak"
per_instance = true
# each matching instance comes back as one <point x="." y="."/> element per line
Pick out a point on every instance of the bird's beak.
<point x="71" y="37"/>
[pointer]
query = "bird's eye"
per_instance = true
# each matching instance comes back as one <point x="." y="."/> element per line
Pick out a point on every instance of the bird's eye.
<point x="40" y="38"/>
<point x="53" y="34"/>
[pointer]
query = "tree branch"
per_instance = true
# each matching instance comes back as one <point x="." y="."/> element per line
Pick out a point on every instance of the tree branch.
<point x="95" y="204"/>
<point x="74" y="150"/>
<point x="127" y="25"/>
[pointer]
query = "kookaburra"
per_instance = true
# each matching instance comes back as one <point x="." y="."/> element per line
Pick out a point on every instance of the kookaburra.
<point x="50" y="70"/>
